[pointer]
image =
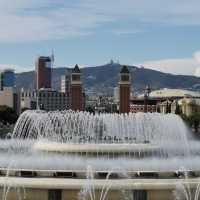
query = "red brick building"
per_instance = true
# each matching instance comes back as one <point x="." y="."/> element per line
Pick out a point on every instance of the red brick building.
<point x="76" y="90"/>
<point x="138" y="105"/>
<point x="124" y="90"/>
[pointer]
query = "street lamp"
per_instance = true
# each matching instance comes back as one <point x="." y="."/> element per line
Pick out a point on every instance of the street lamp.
<point x="146" y="96"/>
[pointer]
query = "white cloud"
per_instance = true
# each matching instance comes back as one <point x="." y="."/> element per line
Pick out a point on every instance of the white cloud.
<point x="36" y="20"/>
<point x="183" y="66"/>
<point x="197" y="72"/>
<point x="16" y="68"/>
<point x="126" y="31"/>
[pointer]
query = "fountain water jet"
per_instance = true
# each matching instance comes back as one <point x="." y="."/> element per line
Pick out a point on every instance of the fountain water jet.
<point x="70" y="141"/>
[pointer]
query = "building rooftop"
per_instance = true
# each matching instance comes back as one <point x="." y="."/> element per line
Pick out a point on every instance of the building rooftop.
<point x="46" y="58"/>
<point x="167" y="93"/>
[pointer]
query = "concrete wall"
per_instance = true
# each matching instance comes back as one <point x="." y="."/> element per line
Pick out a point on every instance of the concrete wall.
<point x="7" y="98"/>
<point x="37" y="194"/>
<point x="27" y="194"/>
<point x="160" y="195"/>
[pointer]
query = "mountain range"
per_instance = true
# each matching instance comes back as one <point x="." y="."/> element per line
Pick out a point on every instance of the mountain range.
<point x="103" y="79"/>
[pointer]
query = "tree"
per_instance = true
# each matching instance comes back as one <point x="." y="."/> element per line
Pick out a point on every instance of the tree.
<point x="158" y="109"/>
<point x="90" y="109"/>
<point x="168" y="107"/>
<point x="24" y="109"/>
<point x="178" y="109"/>
<point x="194" y="120"/>
<point x="7" y="115"/>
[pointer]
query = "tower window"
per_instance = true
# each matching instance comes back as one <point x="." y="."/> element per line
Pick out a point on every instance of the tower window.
<point x="125" y="78"/>
<point x="75" y="77"/>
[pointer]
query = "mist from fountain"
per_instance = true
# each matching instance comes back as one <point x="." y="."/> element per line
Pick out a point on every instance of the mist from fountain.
<point x="131" y="140"/>
<point x="88" y="192"/>
<point x="184" y="191"/>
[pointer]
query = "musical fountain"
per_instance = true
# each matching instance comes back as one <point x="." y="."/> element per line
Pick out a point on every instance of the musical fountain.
<point x="49" y="153"/>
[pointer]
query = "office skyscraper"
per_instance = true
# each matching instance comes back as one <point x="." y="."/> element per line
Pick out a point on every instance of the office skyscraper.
<point x="43" y="72"/>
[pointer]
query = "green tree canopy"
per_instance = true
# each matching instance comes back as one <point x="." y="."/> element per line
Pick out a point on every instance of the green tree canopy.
<point x="7" y="115"/>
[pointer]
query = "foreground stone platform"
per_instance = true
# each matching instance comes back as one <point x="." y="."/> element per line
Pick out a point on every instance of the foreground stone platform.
<point x="69" y="189"/>
<point x="114" y="184"/>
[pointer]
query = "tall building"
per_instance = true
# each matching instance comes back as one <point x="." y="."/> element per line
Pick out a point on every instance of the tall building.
<point x="116" y="94"/>
<point x="124" y="90"/>
<point x="7" y="79"/>
<point x="43" y="72"/>
<point x="76" y="90"/>
<point x="66" y="82"/>
<point x="66" y="86"/>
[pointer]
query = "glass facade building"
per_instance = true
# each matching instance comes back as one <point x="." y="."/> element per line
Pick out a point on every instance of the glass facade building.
<point x="7" y="78"/>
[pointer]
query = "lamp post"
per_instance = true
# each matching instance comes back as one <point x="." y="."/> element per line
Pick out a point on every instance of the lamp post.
<point x="146" y="97"/>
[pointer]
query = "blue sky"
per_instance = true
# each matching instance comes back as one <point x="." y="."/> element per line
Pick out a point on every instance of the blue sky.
<point x="158" y="34"/>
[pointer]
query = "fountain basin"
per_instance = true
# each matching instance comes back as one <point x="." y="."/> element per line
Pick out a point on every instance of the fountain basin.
<point x="93" y="148"/>
<point x="117" y="184"/>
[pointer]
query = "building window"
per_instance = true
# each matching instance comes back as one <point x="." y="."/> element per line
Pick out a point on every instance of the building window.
<point x="139" y="195"/>
<point x="54" y="194"/>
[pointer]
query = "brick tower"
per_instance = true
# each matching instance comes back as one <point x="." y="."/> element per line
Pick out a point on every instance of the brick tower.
<point x="76" y="90"/>
<point x="124" y="90"/>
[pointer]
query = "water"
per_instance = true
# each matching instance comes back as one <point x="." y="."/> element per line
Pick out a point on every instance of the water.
<point x="105" y="141"/>
<point x="88" y="192"/>
<point x="184" y="191"/>
<point x="111" y="143"/>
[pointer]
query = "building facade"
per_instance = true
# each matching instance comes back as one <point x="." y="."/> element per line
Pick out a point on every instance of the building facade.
<point x="186" y="106"/>
<point x="44" y="99"/>
<point x="142" y="105"/>
<point x="7" y="97"/>
<point x="28" y="100"/>
<point x="51" y="100"/>
<point x="66" y="82"/>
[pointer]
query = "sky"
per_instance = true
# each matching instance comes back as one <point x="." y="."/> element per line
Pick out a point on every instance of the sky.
<point x="157" y="34"/>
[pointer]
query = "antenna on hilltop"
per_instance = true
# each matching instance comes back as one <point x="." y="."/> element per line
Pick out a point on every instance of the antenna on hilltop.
<point x="111" y="62"/>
